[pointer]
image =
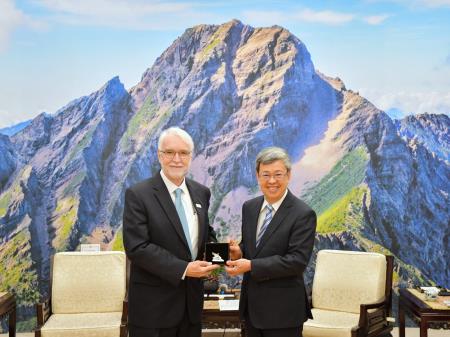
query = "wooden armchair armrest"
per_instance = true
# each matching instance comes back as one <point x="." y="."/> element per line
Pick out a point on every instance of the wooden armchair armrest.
<point x="373" y="316"/>
<point x="43" y="311"/>
<point x="124" y="319"/>
<point x="309" y="295"/>
<point x="376" y="305"/>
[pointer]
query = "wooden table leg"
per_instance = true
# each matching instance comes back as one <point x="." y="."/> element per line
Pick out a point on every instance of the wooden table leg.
<point x="401" y="320"/>
<point x="423" y="327"/>
<point x="12" y="323"/>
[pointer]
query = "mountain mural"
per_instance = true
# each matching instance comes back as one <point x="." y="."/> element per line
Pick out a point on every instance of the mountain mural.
<point x="12" y="130"/>
<point x="377" y="184"/>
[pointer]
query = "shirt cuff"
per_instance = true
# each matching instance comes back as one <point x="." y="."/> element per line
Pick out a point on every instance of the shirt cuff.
<point x="184" y="274"/>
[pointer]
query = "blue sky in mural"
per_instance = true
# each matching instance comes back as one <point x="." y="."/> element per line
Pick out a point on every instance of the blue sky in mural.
<point x="396" y="53"/>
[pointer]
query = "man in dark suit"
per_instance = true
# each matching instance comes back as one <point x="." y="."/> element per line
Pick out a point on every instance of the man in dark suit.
<point x="278" y="233"/>
<point x="165" y="227"/>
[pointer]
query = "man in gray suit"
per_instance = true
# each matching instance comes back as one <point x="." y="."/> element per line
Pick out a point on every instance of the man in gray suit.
<point x="278" y="233"/>
<point x="165" y="228"/>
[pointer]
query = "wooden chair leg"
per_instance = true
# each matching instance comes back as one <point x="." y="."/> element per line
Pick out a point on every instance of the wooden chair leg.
<point x="12" y="323"/>
<point x="123" y="331"/>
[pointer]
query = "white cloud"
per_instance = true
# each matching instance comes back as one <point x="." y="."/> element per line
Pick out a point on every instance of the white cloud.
<point x="325" y="17"/>
<point x="163" y="15"/>
<point x="376" y="19"/>
<point x="133" y="14"/>
<point x="416" y="3"/>
<point x="435" y="3"/>
<point x="410" y="102"/>
<point x="113" y="8"/>
<point x="10" y="19"/>
<point x="330" y="18"/>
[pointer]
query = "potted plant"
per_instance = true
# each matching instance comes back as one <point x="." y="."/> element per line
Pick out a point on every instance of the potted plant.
<point x="211" y="284"/>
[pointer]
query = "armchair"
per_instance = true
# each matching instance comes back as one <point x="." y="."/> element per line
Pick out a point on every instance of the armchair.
<point x="88" y="296"/>
<point x="351" y="295"/>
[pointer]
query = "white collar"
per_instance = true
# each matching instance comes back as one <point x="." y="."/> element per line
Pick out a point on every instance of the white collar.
<point x="171" y="186"/>
<point x="275" y="205"/>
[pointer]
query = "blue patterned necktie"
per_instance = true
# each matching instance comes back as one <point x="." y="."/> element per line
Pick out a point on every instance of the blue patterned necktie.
<point x="267" y="219"/>
<point x="183" y="219"/>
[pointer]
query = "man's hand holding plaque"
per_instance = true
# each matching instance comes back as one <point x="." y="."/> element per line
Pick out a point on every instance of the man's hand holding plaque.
<point x="235" y="250"/>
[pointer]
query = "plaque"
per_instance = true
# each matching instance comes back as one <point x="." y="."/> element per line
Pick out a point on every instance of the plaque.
<point x="217" y="253"/>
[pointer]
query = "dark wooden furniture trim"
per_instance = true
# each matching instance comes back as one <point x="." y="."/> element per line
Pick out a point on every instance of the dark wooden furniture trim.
<point x="43" y="312"/>
<point x="373" y="316"/>
<point x="44" y="308"/>
<point x="416" y="307"/>
<point x="124" y="320"/>
<point x="8" y="308"/>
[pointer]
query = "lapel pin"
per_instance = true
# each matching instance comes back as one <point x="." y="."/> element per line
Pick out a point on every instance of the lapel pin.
<point x="198" y="205"/>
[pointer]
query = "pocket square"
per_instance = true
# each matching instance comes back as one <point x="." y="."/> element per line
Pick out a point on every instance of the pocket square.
<point x="198" y="205"/>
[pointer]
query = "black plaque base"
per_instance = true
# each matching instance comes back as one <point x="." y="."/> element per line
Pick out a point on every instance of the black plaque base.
<point x="217" y="253"/>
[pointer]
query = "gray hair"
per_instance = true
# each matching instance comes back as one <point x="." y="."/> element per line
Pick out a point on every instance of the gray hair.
<point x="272" y="154"/>
<point x="176" y="131"/>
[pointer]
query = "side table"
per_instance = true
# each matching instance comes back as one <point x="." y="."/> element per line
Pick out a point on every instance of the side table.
<point x="226" y="319"/>
<point x="8" y="308"/>
<point x="413" y="302"/>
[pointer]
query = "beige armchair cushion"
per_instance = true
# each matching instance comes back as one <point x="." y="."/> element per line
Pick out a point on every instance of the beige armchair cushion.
<point x="345" y="279"/>
<point x="328" y="323"/>
<point x="83" y="325"/>
<point x="90" y="282"/>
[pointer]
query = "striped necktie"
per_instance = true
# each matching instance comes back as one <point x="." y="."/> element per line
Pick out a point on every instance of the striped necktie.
<point x="267" y="219"/>
<point x="183" y="219"/>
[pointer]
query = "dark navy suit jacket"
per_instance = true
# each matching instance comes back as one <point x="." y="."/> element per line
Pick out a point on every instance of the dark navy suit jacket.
<point x="159" y="253"/>
<point x="273" y="292"/>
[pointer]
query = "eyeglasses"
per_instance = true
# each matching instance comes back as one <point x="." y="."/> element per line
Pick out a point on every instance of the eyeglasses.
<point x="170" y="154"/>
<point x="276" y="176"/>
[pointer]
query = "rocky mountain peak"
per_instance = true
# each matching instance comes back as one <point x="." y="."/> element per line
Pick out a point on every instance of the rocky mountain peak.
<point x="112" y="89"/>
<point x="36" y="135"/>
<point x="7" y="160"/>
<point x="335" y="82"/>
<point x="430" y="130"/>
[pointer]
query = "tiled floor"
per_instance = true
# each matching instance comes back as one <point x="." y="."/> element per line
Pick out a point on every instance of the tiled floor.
<point x="410" y="332"/>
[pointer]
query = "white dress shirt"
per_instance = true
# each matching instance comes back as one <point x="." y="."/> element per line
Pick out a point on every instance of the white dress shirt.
<point x="189" y="209"/>
<point x="263" y="211"/>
